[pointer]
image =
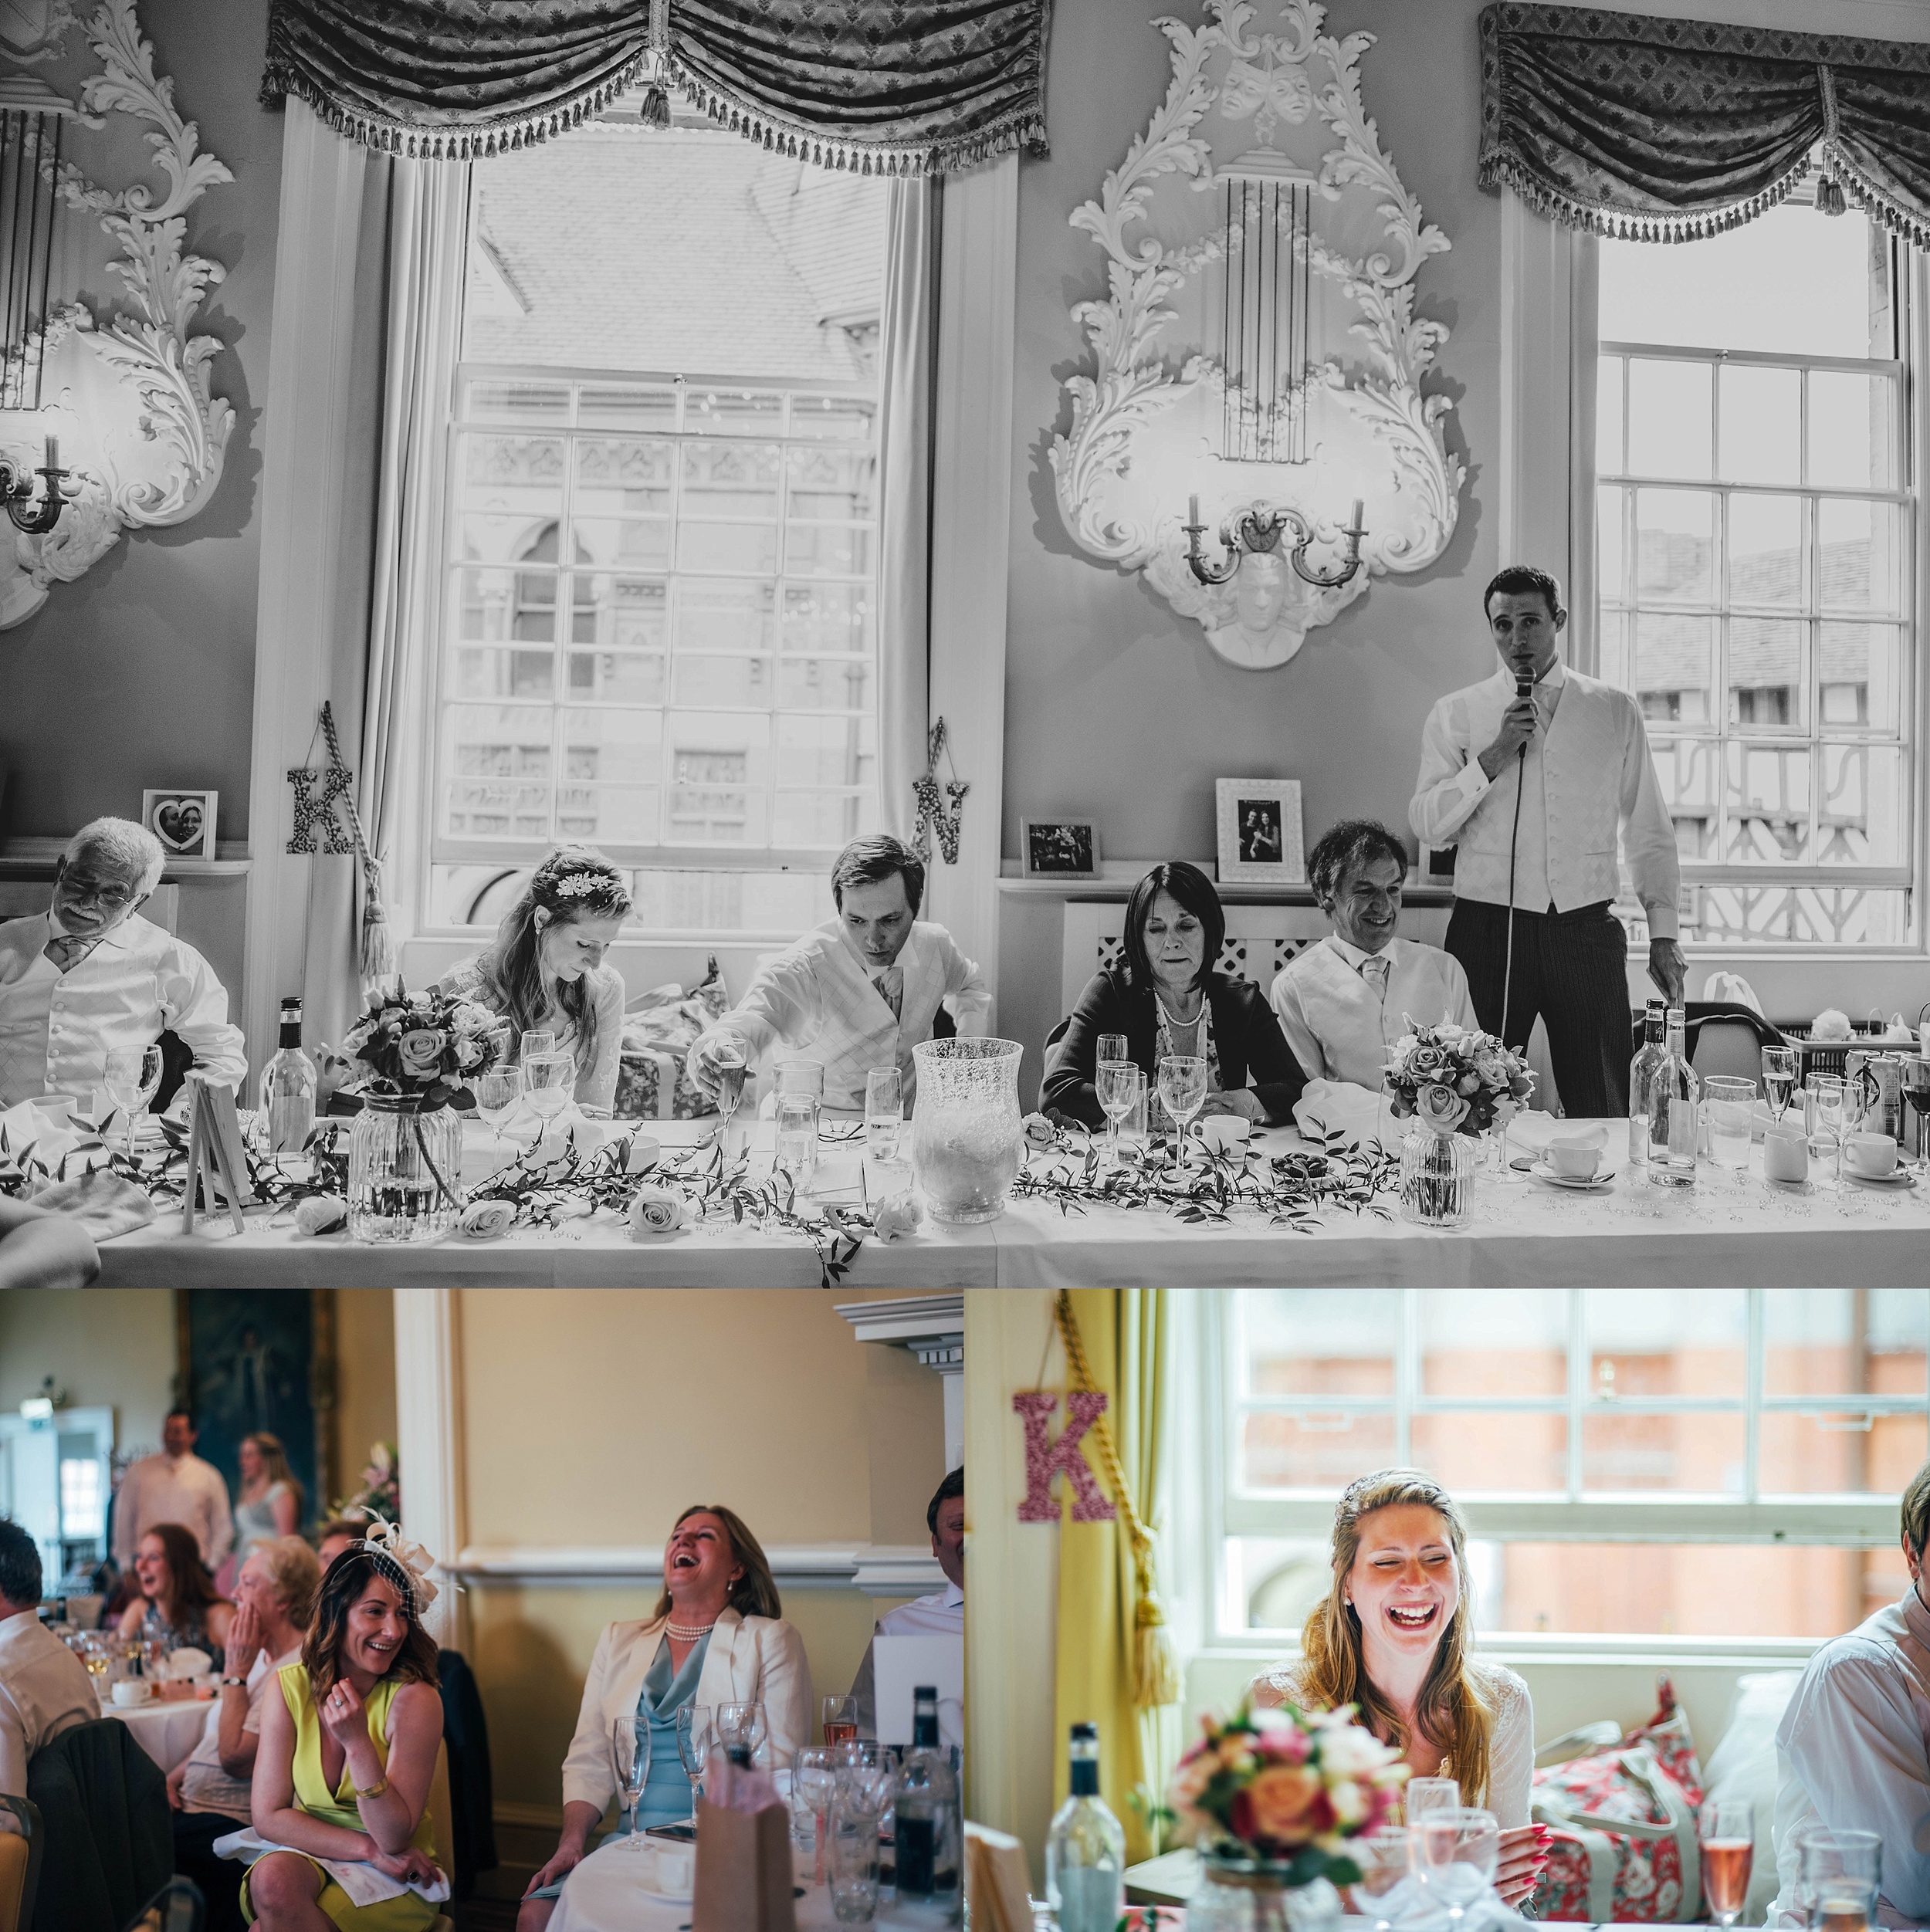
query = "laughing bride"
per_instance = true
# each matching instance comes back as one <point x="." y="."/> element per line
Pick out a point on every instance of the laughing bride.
<point x="1393" y="1637"/>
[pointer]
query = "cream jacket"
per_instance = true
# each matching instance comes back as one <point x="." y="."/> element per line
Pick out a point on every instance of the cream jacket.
<point x="759" y="1659"/>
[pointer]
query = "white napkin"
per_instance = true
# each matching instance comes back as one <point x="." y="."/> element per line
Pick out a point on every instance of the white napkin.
<point x="1411" y="1906"/>
<point x="362" y="1883"/>
<point x="187" y="1662"/>
<point x="1358" y="1114"/>
<point x="51" y="1140"/>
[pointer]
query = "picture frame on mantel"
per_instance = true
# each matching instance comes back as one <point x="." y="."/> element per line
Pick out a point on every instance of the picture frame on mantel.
<point x="1058" y="848"/>
<point x="184" y="821"/>
<point x="1261" y="838"/>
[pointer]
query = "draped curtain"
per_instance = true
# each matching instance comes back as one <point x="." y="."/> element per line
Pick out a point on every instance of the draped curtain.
<point x="1667" y="131"/>
<point x="899" y="86"/>
<point x="1126" y="1335"/>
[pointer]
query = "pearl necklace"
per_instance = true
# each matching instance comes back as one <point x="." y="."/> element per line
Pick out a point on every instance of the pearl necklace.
<point x="685" y="1633"/>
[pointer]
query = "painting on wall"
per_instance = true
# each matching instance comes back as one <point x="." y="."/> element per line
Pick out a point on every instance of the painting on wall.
<point x="251" y="1362"/>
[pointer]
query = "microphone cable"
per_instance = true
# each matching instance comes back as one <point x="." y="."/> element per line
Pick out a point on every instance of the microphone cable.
<point x="1524" y="688"/>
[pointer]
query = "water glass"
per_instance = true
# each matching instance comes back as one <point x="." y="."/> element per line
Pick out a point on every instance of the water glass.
<point x="799" y="1077"/>
<point x="497" y="1093"/>
<point x="1459" y="1850"/>
<point x="1182" y="1089"/>
<point x="854" y="1866"/>
<point x="1117" y="1084"/>
<point x="1728" y="1106"/>
<point x="814" y="1777"/>
<point x="1111" y="1046"/>
<point x="884" y="1112"/>
<point x="798" y="1138"/>
<point x="1727" y="1830"/>
<point x="547" y="1078"/>
<point x="132" y="1074"/>
<point x="1386" y="1858"/>
<point x="1422" y="1794"/>
<point x="1778" y="1077"/>
<point x="1838" y="1875"/>
<point x="1822" y="1104"/>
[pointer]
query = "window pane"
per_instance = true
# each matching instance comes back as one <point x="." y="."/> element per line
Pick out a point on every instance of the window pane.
<point x="1670" y="418"/>
<point x="1766" y="550"/>
<point x="505" y="471"/>
<point x="832" y="483"/>
<point x="829" y="549"/>
<point x="1692" y="1454"/>
<point x="1861" y="673"/>
<point x="826" y="819"/>
<point x="1608" y="416"/>
<point x="1838" y="1452"/>
<point x="626" y="475"/>
<point x="1769" y="684"/>
<point x="1687" y="768"/>
<point x="828" y="617"/>
<point x="1862" y="806"/>
<point x="623" y="407"/>
<point x="1611" y="557"/>
<point x="1675" y="668"/>
<point x="1852" y="430"/>
<point x="715" y="680"/>
<point x="487" y="400"/>
<point x="1858" y="555"/>
<point x="1309" y="1341"/>
<point x="847" y="419"/>
<point x="1844" y="1341"/>
<point x="1501" y="1453"/>
<point x="630" y="612"/>
<point x="617" y="677"/>
<point x="726" y="546"/>
<point x="825" y="684"/>
<point x="1275" y="1581"/>
<point x="1323" y="1452"/>
<point x="724" y="615"/>
<point x="636" y="544"/>
<point x="746" y="413"/>
<point x="1644" y="1342"/>
<point x="1766" y="804"/>
<point x="1675" y="546"/>
<point x="1802" y="915"/>
<point x="1762" y="425"/>
<point x="1475" y="1342"/>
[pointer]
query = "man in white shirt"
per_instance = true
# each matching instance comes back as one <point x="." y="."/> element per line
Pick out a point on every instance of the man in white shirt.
<point x="174" y="1487"/>
<point x="1851" y="1750"/>
<point x="940" y="1615"/>
<point x="90" y="975"/>
<point x="1531" y="791"/>
<point x="209" y="1789"/>
<point x="1344" y="1001"/>
<point x="860" y="991"/>
<point x="44" y="1687"/>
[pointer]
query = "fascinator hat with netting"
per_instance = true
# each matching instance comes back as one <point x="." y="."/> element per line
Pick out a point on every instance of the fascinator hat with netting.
<point x="399" y="1561"/>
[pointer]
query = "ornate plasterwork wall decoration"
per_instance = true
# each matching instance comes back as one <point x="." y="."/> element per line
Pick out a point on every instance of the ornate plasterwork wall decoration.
<point x="1145" y="433"/>
<point x="135" y="415"/>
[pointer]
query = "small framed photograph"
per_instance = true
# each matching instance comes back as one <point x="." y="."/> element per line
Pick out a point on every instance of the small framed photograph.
<point x="1260" y="842"/>
<point x="1435" y="866"/>
<point x="1059" y="849"/>
<point x="182" y="821"/>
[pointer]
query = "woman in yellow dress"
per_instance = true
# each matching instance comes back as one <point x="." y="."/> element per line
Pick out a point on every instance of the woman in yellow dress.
<point x="348" y="1749"/>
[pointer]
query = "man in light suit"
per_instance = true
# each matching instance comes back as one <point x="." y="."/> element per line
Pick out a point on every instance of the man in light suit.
<point x="1532" y="791"/>
<point x="862" y="989"/>
<point x="1343" y="1002"/>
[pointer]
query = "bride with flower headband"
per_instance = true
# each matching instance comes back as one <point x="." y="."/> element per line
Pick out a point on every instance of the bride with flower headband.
<point x="545" y="970"/>
<point x="342" y="1835"/>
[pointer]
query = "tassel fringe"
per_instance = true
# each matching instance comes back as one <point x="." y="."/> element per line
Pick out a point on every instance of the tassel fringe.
<point x="1156" y="1662"/>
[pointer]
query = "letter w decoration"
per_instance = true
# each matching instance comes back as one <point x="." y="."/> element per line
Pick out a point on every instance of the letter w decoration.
<point x="1046" y="1459"/>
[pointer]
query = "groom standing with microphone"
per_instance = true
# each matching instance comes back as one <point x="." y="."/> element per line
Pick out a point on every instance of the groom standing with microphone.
<point x="1530" y="775"/>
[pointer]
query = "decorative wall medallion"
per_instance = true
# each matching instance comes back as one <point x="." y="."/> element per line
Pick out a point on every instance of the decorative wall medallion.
<point x="1294" y="241"/>
<point x="129" y="388"/>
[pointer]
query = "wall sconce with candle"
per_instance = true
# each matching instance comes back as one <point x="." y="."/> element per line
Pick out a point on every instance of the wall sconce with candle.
<point x="1269" y="262"/>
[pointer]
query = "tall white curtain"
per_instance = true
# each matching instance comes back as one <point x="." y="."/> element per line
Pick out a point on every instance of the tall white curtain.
<point x="906" y="350"/>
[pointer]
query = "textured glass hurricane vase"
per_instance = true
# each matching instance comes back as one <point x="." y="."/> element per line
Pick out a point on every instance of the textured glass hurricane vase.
<point x="1241" y="1895"/>
<point x="404" y="1168"/>
<point x="1437" y="1177"/>
<point x="967" y="1135"/>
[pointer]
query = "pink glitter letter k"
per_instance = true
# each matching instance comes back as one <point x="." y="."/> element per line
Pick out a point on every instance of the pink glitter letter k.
<point x="1044" y="1458"/>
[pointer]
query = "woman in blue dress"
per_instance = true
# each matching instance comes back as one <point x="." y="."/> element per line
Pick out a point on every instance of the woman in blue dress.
<point x="716" y="1636"/>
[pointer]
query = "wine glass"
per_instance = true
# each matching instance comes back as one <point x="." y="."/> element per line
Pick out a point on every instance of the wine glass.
<point x="1385" y="1858"/>
<point x="547" y="1078"/>
<point x="133" y="1073"/>
<point x="840" y="1720"/>
<point x="727" y="1062"/>
<point x="1726" y="1828"/>
<point x="813" y="1776"/>
<point x="1113" y="1046"/>
<point x="1823" y="1109"/>
<point x="742" y="1727"/>
<point x="695" y="1735"/>
<point x="864" y="1777"/>
<point x="497" y="1093"/>
<point x="1916" y="1090"/>
<point x="1117" y="1084"/>
<point x="1460" y="1850"/>
<point x="1421" y="1795"/>
<point x="629" y="1757"/>
<point x="1182" y="1087"/>
<point x="884" y="1112"/>
<point x="536" y="1039"/>
<point x="1778" y="1077"/>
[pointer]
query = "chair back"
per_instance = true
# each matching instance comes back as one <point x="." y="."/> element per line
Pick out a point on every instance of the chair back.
<point x="1727" y="1046"/>
<point x="109" y="1832"/>
<point x="19" y="1863"/>
<point x="177" y="1906"/>
<point x="1051" y="1056"/>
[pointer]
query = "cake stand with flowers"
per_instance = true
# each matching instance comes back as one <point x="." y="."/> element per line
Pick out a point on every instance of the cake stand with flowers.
<point x="1455" y="1085"/>
<point x="1270" y="1798"/>
<point x="405" y="1148"/>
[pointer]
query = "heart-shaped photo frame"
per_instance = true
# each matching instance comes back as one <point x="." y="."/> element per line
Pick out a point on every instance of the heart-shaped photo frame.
<point x="182" y="821"/>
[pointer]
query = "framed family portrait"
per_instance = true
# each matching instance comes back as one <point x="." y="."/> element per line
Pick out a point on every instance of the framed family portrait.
<point x="184" y="821"/>
<point x="1059" y="849"/>
<point x="1260" y="842"/>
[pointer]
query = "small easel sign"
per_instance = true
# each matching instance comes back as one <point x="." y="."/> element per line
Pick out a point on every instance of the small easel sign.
<point x="216" y="1165"/>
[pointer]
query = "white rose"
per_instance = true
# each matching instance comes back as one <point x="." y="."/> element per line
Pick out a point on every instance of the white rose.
<point x="319" y="1213"/>
<point x="487" y="1220"/>
<point x="657" y="1210"/>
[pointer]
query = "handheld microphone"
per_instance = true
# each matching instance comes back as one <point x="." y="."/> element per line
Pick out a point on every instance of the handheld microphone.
<point x="1524" y="688"/>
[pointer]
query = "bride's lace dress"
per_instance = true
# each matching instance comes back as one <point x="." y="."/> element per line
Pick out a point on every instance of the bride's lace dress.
<point x="1511" y="1765"/>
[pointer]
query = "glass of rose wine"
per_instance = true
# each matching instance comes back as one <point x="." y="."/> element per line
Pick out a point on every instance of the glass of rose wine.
<point x="1727" y="1828"/>
<point x="840" y="1719"/>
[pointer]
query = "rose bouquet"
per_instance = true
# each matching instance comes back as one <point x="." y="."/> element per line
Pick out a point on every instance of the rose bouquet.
<point x="1456" y="1080"/>
<point x="429" y="1046"/>
<point x="1283" y="1788"/>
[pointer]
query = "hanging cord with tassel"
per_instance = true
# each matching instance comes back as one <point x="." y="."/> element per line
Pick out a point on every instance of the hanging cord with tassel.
<point x="1156" y="1668"/>
<point x="378" y="960"/>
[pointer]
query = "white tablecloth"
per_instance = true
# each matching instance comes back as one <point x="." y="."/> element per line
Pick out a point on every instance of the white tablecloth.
<point x="167" y="1732"/>
<point x="1730" y="1230"/>
<point x="604" y="1894"/>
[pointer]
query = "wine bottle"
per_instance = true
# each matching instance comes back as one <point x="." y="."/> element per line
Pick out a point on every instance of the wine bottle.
<point x="288" y="1087"/>
<point x="1085" y="1852"/>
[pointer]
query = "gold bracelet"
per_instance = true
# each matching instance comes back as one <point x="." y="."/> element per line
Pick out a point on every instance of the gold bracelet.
<point x="375" y="1791"/>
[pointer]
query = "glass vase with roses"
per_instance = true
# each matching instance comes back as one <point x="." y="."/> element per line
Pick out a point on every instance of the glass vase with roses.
<point x="1270" y="1799"/>
<point x="420" y="1051"/>
<point x="1454" y="1083"/>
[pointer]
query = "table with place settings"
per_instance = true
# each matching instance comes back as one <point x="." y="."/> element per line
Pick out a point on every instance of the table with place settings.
<point x="167" y="1729"/>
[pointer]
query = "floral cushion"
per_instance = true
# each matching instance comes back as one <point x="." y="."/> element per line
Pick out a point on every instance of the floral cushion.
<point x="1624" y="1848"/>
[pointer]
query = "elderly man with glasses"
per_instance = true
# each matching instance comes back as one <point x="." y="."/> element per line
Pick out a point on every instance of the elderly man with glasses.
<point x="90" y="975"/>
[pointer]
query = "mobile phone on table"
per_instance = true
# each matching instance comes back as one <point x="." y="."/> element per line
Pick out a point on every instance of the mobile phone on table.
<point x="681" y="1834"/>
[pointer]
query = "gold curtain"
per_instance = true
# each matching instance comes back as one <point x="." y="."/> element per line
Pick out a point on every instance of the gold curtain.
<point x="1104" y="1633"/>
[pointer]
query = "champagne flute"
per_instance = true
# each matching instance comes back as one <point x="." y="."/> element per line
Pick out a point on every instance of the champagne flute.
<point x="1460" y="1850"/>
<point x="547" y="1078"/>
<point x="727" y="1062"/>
<point x="813" y="1776"/>
<point x="1778" y="1077"/>
<point x="1726" y="1829"/>
<point x="1117" y="1084"/>
<point x="840" y="1720"/>
<point x="884" y="1112"/>
<point x="694" y="1734"/>
<point x="133" y="1073"/>
<point x="630" y="1756"/>
<point x="1183" y="1087"/>
<point x="497" y="1093"/>
<point x="1823" y="1106"/>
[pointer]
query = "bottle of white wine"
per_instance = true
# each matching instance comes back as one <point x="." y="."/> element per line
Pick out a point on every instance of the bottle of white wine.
<point x="1085" y="1853"/>
<point x="1642" y="1071"/>
<point x="288" y="1087"/>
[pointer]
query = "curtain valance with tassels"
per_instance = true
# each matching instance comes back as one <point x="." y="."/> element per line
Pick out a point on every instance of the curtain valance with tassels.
<point x="1665" y="130"/>
<point x="888" y="86"/>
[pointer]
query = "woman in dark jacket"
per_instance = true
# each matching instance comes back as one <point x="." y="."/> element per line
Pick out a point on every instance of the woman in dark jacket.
<point x="1165" y="997"/>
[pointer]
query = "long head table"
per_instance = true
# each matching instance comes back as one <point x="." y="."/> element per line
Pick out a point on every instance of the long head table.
<point x="1730" y="1229"/>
